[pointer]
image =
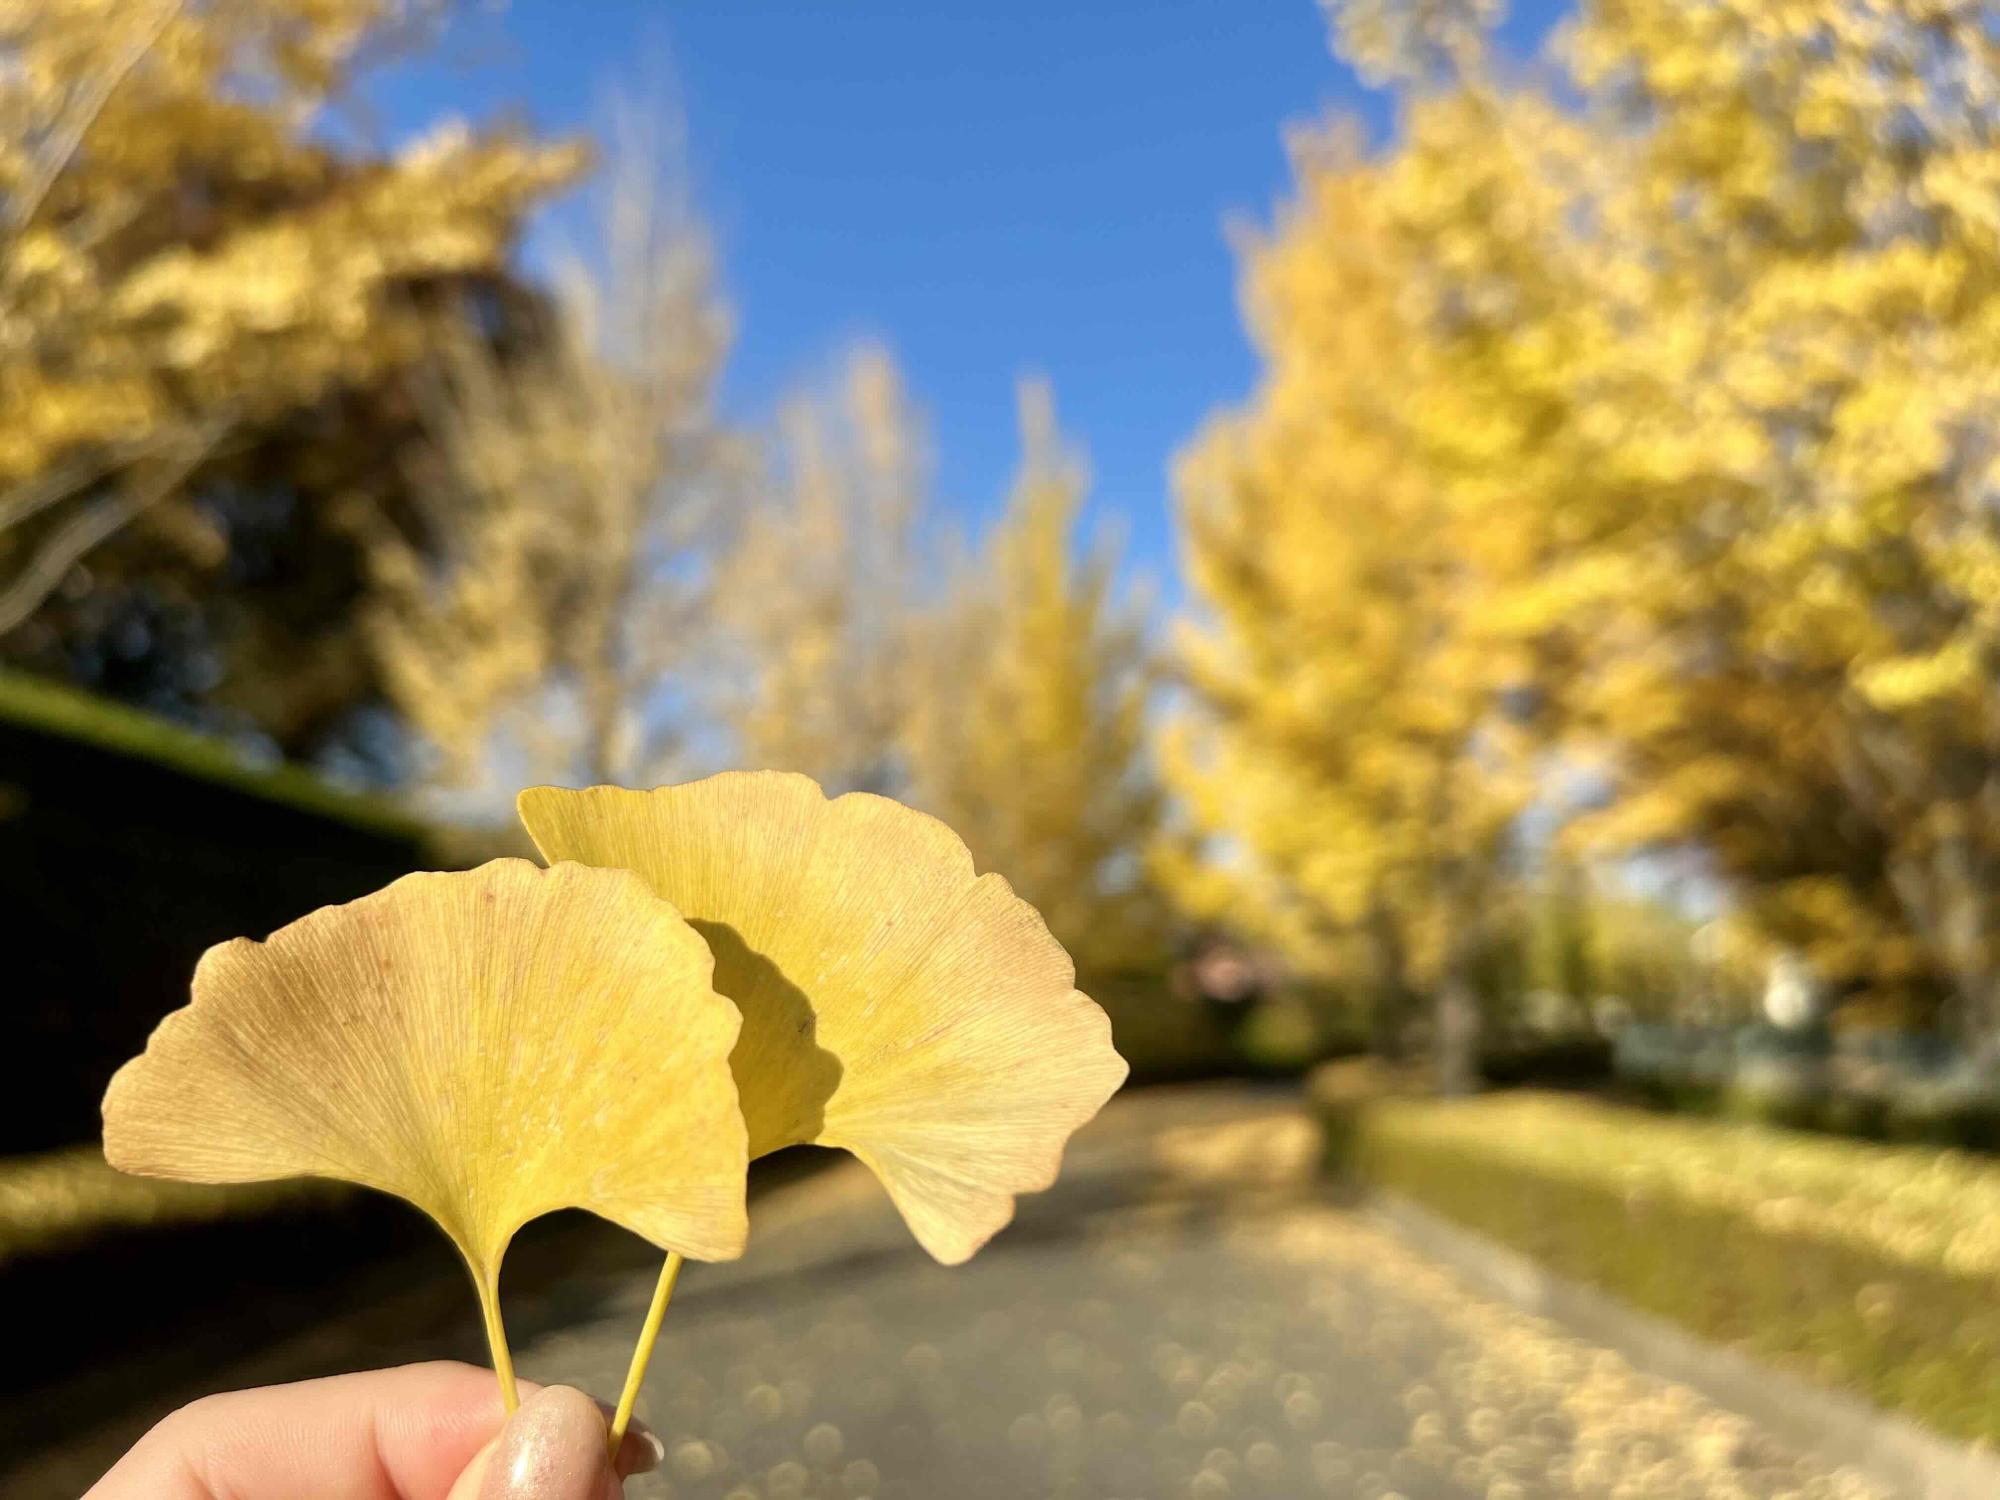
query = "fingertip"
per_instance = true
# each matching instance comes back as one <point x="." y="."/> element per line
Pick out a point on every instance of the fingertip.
<point x="553" y="1448"/>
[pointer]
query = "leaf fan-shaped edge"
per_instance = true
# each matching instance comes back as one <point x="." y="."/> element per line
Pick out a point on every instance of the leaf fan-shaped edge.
<point x="951" y="1210"/>
<point x="147" y="1110"/>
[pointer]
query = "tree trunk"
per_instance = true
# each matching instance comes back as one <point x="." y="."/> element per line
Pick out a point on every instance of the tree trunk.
<point x="1390" y="1001"/>
<point x="1457" y="1024"/>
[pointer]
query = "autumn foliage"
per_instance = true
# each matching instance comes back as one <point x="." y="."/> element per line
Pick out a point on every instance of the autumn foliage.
<point x="1620" y="479"/>
<point x="1616" y="496"/>
<point x="212" y="308"/>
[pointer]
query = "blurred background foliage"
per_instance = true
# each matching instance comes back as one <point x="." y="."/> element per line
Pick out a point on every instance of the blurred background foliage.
<point x="1589" y="619"/>
<point x="213" y="316"/>
<point x="1620" y="490"/>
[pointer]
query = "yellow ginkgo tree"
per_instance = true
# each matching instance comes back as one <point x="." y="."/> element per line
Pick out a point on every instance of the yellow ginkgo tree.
<point x="1709" y="321"/>
<point x="1028" y="728"/>
<point x="819" y="599"/>
<point x="217" y="303"/>
<point x="1349" y="754"/>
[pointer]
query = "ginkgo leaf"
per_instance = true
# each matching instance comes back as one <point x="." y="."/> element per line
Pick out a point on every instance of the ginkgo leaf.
<point x="490" y="1044"/>
<point x="894" y="1003"/>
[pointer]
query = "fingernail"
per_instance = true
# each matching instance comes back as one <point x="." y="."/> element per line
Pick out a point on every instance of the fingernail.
<point x="641" y="1452"/>
<point x="652" y="1452"/>
<point x="551" y="1449"/>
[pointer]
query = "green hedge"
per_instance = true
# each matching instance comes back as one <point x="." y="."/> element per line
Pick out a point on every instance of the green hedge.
<point x="1872" y="1268"/>
<point x="81" y="718"/>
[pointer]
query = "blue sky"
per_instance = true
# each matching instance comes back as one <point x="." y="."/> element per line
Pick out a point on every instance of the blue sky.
<point x="992" y="190"/>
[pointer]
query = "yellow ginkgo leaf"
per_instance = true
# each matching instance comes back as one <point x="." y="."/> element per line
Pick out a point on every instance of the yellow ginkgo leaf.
<point x="491" y="1045"/>
<point x="894" y="1003"/>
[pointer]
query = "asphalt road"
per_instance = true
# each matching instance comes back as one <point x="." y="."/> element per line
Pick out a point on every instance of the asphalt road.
<point x="1189" y="1314"/>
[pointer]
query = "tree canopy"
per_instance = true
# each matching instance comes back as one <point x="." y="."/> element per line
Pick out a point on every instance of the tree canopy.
<point x="214" y="293"/>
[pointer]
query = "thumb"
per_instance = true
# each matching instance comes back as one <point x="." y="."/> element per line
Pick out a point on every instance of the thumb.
<point x="553" y="1448"/>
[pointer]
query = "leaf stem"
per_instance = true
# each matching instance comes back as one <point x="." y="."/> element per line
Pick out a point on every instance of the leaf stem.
<point x="642" y="1353"/>
<point x="488" y="1283"/>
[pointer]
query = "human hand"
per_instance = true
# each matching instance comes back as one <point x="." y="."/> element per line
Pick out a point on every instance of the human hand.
<point x="421" y="1432"/>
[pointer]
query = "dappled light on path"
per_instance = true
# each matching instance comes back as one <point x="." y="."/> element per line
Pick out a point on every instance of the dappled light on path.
<point x="1192" y="1319"/>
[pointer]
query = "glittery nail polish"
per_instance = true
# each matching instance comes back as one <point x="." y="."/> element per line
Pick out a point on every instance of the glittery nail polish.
<point x="551" y="1449"/>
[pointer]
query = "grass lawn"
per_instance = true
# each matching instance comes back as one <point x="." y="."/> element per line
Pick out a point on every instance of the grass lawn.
<point x="1873" y="1268"/>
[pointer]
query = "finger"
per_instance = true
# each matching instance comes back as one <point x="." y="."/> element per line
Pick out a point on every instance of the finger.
<point x="553" y="1448"/>
<point x="639" y="1452"/>
<point x="402" y="1434"/>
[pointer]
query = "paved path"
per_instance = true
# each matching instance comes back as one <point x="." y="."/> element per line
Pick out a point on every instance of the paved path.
<point x="1187" y="1316"/>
